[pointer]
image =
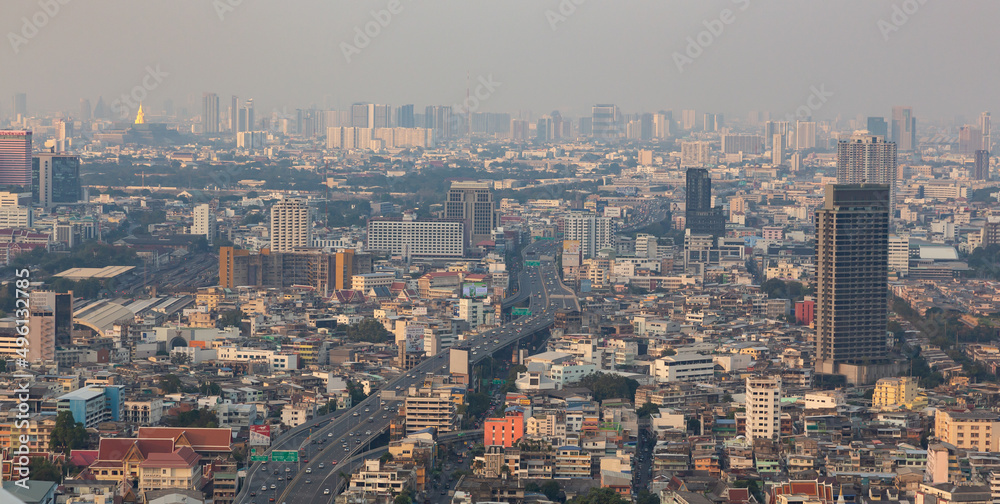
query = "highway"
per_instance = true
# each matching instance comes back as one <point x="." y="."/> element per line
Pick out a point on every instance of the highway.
<point x="330" y="442"/>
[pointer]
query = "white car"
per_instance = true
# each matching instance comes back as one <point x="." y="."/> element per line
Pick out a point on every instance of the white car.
<point x="326" y="491"/>
<point x="309" y="470"/>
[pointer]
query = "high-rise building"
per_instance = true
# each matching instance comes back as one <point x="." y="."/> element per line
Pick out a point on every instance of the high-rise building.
<point x="15" y="158"/>
<point x="778" y="149"/>
<point x="878" y="127"/>
<point x="204" y="223"/>
<point x="359" y="115"/>
<point x="868" y="159"/>
<point x="55" y="178"/>
<point x="987" y="132"/>
<point x="751" y="145"/>
<point x="711" y="122"/>
<point x="605" y="122"/>
<point x="593" y="232"/>
<point x="439" y="119"/>
<point x="417" y="237"/>
<point x="472" y="202"/>
<point x="699" y="215"/>
<point x="86" y="113"/>
<point x="904" y="129"/>
<point x="763" y="408"/>
<point x="245" y="118"/>
<point x="805" y="135"/>
<point x="379" y="116"/>
<point x="970" y="139"/>
<point x="290" y="225"/>
<point x="662" y="124"/>
<point x="689" y="119"/>
<point x="695" y="153"/>
<point x="404" y="116"/>
<point x="899" y="254"/>
<point x="981" y="171"/>
<point x="852" y="261"/>
<point x="772" y="128"/>
<point x="234" y="115"/>
<point x="210" y="112"/>
<point x="20" y="104"/>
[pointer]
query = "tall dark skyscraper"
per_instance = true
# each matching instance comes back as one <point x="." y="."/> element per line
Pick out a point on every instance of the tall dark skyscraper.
<point x="15" y="158"/>
<point x="55" y="178"/>
<point x="604" y="122"/>
<point x="981" y="171"/>
<point x="404" y="116"/>
<point x="21" y="104"/>
<point x="878" y="126"/>
<point x="210" y="112"/>
<point x="85" y="110"/>
<point x="234" y="115"/>
<point x="904" y="129"/>
<point x="699" y="215"/>
<point x="245" y="120"/>
<point x="472" y="203"/>
<point x="359" y="115"/>
<point x="852" y="268"/>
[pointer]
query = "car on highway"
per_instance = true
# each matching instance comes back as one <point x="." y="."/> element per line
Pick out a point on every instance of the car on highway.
<point x="263" y="488"/>
<point x="329" y="434"/>
<point x="308" y="481"/>
<point x="273" y="486"/>
<point x="309" y="470"/>
<point x="326" y="491"/>
<point x="333" y="462"/>
<point x="321" y="465"/>
<point x="287" y="470"/>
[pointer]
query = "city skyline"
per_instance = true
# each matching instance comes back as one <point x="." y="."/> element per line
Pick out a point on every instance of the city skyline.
<point x="554" y="83"/>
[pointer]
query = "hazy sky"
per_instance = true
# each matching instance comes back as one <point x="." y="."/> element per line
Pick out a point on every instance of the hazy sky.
<point x="941" y="59"/>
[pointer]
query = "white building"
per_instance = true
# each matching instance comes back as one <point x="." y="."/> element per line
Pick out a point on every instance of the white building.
<point x="693" y="367"/>
<point x="413" y="238"/>
<point x="899" y="254"/>
<point x="763" y="396"/>
<point x="473" y="312"/>
<point x="594" y="233"/>
<point x="695" y="153"/>
<point x="290" y="225"/>
<point x="277" y="361"/>
<point x="204" y="222"/>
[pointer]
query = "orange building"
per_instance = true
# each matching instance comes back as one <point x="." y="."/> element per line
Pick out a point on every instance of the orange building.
<point x="504" y="431"/>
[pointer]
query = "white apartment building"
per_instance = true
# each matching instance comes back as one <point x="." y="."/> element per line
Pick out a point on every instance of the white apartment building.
<point x="417" y="238"/>
<point x="204" y="222"/>
<point x="277" y="361"/>
<point x="148" y="412"/>
<point x="763" y="396"/>
<point x="695" y="153"/>
<point x="290" y="225"/>
<point x="293" y="415"/>
<point x="899" y="254"/>
<point x="367" y="281"/>
<point x="473" y="312"/>
<point x="594" y="233"/>
<point x="425" y="408"/>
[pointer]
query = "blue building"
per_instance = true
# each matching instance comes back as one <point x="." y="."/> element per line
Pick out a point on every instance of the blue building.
<point x="92" y="405"/>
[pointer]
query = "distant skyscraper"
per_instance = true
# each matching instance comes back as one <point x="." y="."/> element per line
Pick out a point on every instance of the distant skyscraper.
<point x="778" y="149"/>
<point x="987" y="132"/>
<point x="100" y="110"/>
<point x="379" y="116"/>
<point x="699" y="215"/>
<point x="210" y="112"/>
<point x="689" y="119"/>
<point x="404" y="116"/>
<point x="55" y="178"/>
<point x="472" y="202"/>
<point x="970" y="139"/>
<point x="439" y="118"/>
<point x="605" y="122"/>
<point x="359" y="115"/>
<point x="904" y="129"/>
<point x="291" y="225"/>
<point x="15" y="158"/>
<point x="878" y="126"/>
<point x="852" y="261"/>
<point x="805" y="135"/>
<point x="234" y="115"/>
<point x="868" y="159"/>
<point x="662" y="124"/>
<point x="594" y="233"/>
<point x="246" y="119"/>
<point x="85" y="110"/>
<point x="21" y="104"/>
<point x="981" y="170"/>
<point x="772" y="128"/>
<point x="646" y="128"/>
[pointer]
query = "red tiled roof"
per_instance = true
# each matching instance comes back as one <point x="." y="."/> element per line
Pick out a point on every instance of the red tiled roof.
<point x="201" y="439"/>
<point x="182" y="457"/>
<point x="82" y="458"/>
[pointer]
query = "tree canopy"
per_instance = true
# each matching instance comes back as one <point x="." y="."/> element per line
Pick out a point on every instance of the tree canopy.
<point x="369" y="330"/>
<point x="67" y="434"/>
<point x="609" y="386"/>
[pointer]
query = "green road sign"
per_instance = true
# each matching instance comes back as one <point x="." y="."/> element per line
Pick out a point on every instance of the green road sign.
<point x="546" y="237"/>
<point x="258" y="458"/>
<point x="285" y="456"/>
<point x="498" y="381"/>
<point x="521" y="311"/>
<point x="533" y="263"/>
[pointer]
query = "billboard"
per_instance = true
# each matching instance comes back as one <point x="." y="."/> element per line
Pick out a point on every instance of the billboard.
<point x="415" y="337"/>
<point x="474" y="289"/>
<point x="571" y="253"/>
<point x="260" y="435"/>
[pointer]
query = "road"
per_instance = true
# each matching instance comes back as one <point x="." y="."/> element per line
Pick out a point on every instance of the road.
<point x="328" y="443"/>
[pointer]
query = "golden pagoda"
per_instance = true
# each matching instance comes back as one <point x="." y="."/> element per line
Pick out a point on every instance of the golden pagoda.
<point x="139" y="117"/>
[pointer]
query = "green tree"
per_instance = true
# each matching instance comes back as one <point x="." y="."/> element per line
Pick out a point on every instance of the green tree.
<point x="170" y="384"/>
<point x="43" y="470"/>
<point x="369" y="330"/>
<point x="386" y="457"/>
<point x="600" y="496"/>
<point x="229" y="318"/>
<point x="645" y="497"/>
<point x="647" y="410"/>
<point x="609" y="386"/>
<point x="196" y="418"/>
<point x="552" y="491"/>
<point x="67" y="434"/>
<point x="357" y="392"/>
